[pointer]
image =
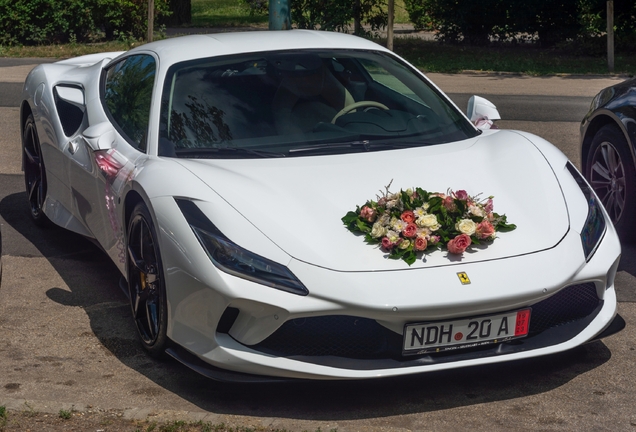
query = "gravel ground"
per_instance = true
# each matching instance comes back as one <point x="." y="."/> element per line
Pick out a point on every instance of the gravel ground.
<point x="107" y="421"/>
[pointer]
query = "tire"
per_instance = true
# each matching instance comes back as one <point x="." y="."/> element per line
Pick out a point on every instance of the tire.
<point x="34" y="173"/>
<point x="146" y="284"/>
<point x="611" y="173"/>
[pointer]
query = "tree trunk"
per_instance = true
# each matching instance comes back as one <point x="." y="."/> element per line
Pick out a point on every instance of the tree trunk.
<point x="357" y="25"/>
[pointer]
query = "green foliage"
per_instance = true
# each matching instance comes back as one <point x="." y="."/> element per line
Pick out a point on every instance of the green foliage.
<point x="40" y="21"/>
<point x="36" y="22"/>
<point x="122" y="19"/>
<point x="419" y="15"/>
<point x="593" y="22"/>
<point x="552" y="20"/>
<point x="65" y="414"/>
<point x="257" y="7"/>
<point x="337" y="15"/>
<point x="472" y="22"/>
<point x="548" y="22"/>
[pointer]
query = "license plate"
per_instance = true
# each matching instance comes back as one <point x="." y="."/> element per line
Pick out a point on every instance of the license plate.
<point x="422" y="338"/>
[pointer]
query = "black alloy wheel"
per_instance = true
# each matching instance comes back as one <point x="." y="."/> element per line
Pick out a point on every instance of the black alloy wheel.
<point x="610" y="171"/>
<point x="145" y="282"/>
<point x="34" y="172"/>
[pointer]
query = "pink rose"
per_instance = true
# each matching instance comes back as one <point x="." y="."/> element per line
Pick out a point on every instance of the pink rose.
<point x="410" y="230"/>
<point x="459" y="244"/>
<point x="484" y="229"/>
<point x="368" y="214"/>
<point x="461" y="194"/>
<point x="420" y="243"/>
<point x="449" y="204"/>
<point x="387" y="244"/>
<point x="408" y="216"/>
<point x="434" y="239"/>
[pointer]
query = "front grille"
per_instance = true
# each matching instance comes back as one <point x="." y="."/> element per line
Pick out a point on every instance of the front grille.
<point x="333" y="335"/>
<point x="569" y="304"/>
<point x="363" y="338"/>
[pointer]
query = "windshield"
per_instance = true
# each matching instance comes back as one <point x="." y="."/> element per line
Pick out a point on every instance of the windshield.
<point x="296" y="103"/>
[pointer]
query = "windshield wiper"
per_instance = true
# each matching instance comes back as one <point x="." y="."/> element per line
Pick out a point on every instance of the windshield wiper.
<point x="208" y="152"/>
<point x="366" y="145"/>
<point x="328" y="146"/>
<point x="397" y="144"/>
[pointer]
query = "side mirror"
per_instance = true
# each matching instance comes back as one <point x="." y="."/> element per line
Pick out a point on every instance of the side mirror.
<point x="100" y="136"/>
<point x="481" y="109"/>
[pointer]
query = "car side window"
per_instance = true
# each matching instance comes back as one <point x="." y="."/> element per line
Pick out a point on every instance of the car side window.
<point x="127" y="93"/>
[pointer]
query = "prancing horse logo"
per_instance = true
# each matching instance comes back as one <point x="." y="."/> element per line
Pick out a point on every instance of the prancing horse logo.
<point x="463" y="278"/>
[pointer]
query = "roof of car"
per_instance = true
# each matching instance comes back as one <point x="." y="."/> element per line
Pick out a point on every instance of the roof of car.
<point x="208" y="45"/>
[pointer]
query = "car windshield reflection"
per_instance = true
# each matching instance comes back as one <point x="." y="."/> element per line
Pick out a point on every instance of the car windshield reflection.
<point x="282" y="103"/>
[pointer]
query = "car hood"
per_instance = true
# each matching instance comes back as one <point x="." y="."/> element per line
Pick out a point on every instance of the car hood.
<point x="298" y="202"/>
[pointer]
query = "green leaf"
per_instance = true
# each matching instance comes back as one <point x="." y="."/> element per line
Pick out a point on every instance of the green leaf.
<point x="410" y="257"/>
<point x="503" y="227"/>
<point x="349" y="217"/>
<point x="370" y="240"/>
<point x="422" y="194"/>
<point x="461" y="205"/>
<point x="362" y="226"/>
<point x="406" y="199"/>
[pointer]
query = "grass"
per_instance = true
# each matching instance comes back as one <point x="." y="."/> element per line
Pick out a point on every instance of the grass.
<point x="65" y="414"/>
<point x="435" y="57"/>
<point x="66" y="50"/>
<point x="223" y="13"/>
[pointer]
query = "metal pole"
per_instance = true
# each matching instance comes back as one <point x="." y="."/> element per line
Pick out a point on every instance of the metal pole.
<point x="389" y="28"/>
<point x="610" y="35"/>
<point x="279" y="15"/>
<point x="151" y="19"/>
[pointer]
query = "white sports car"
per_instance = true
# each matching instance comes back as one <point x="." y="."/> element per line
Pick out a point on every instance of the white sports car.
<point x="216" y="171"/>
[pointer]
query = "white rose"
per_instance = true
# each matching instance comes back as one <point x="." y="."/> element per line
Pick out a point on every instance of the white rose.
<point x="427" y="221"/>
<point x="378" y="230"/>
<point x="466" y="226"/>
<point x="404" y="244"/>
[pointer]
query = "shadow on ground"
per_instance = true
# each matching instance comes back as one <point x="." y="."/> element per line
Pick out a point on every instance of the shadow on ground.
<point x="93" y="283"/>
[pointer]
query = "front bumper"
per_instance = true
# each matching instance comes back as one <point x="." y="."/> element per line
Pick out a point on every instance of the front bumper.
<point x="241" y="343"/>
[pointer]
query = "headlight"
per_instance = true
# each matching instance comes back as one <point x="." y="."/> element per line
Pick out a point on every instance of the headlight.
<point x="595" y="224"/>
<point x="235" y="260"/>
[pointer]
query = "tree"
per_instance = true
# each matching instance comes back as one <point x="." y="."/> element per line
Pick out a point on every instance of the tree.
<point x="338" y="14"/>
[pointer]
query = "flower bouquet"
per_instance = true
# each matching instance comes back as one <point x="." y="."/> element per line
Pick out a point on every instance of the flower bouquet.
<point x="415" y="221"/>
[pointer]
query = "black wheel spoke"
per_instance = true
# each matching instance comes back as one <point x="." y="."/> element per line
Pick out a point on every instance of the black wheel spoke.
<point x="32" y="158"/>
<point x="152" y="318"/>
<point x="35" y="190"/>
<point x="139" y="302"/>
<point x="135" y="260"/>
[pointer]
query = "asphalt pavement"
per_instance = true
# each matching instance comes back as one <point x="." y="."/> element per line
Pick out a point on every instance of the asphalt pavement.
<point x="68" y="341"/>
